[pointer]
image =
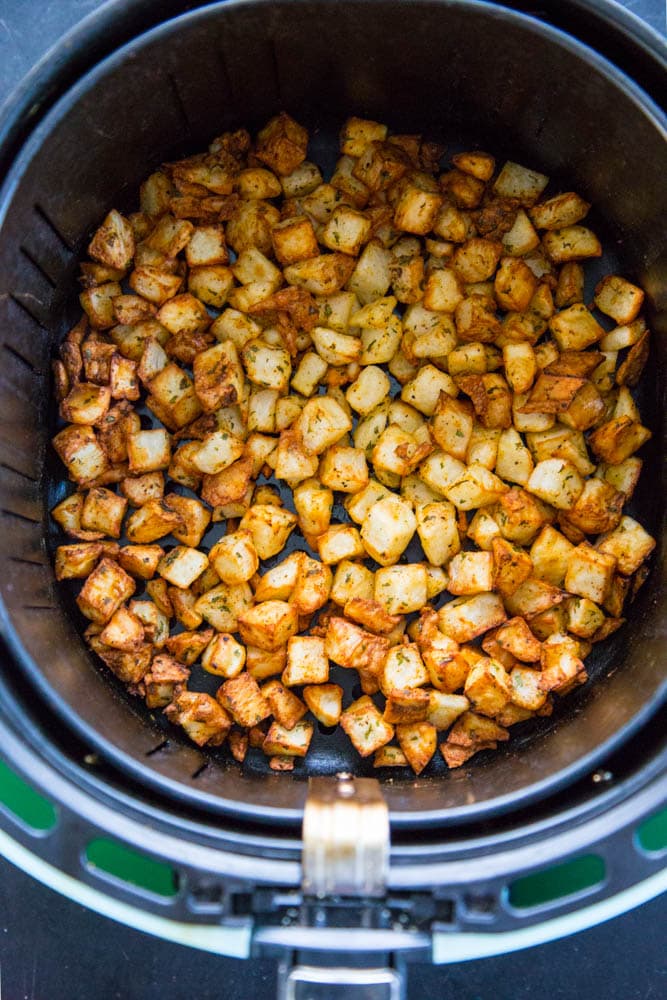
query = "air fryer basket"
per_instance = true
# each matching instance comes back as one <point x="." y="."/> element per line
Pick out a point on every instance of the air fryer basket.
<point x="464" y="73"/>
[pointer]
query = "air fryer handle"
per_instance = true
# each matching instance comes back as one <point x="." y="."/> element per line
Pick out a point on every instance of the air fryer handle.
<point x="305" y="982"/>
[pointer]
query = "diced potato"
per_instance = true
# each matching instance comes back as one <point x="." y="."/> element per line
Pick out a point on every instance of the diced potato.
<point x="322" y="423"/>
<point x="476" y="487"/>
<point x="325" y="701"/>
<point x="312" y="586"/>
<point x="465" y="618"/>
<point x="488" y="688"/>
<point x="288" y="742"/>
<point x="338" y="542"/>
<point x="267" y="366"/>
<point x="351" y="580"/>
<point x="619" y="298"/>
<point x="589" y="573"/>
<point x="294" y="240"/>
<point x="261" y="664"/>
<point x="401" y="589"/>
<point x="515" y="181"/>
<point x="310" y="372"/>
<point x="148" y="451"/>
<point x="182" y="566"/>
<point x="560" y="211"/>
<point x="202" y="718"/>
<point x="423" y="392"/>
<point x="313" y="503"/>
<point x="416" y="209"/>
<point x="365" y="726"/>
<point x="344" y="469"/>
<point x="307" y="662"/>
<point x="470" y="573"/>
<point x="282" y="144"/>
<point x="268" y="624"/>
<point x="269" y="528"/>
<point x="234" y="557"/>
<point x="368" y="390"/>
<point x="224" y="656"/>
<point x="438" y="531"/>
<point x="617" y="439"/>
<point x="222" y="605"/>
<point x="556" y="482"/>
<point x="242" y="698"/>
<point x="418" y="741"/>
<point x="387" y="529"/>
<point x="629" y="544"/>
<point x="105" y="590"/>
<point x="526" y="690"/>
<point x="571" y="243"/>
<point x="103" y="512"/>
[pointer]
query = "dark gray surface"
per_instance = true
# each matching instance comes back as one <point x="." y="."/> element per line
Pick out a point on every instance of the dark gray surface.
<point x="52" y="949"/>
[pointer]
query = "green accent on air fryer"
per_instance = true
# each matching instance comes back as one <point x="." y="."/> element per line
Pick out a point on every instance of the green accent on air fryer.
<point x="24" y="802"/>
<point x="131" y="866"/>
<point x="652" y="834"/>
<point x="557" y="882"/>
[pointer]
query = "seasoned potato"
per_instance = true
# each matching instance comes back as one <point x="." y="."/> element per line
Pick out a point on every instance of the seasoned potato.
<point x="396" y="363"/>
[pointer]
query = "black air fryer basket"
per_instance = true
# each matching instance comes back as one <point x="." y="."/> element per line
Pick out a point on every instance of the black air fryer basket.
<point x="574" y="93"/>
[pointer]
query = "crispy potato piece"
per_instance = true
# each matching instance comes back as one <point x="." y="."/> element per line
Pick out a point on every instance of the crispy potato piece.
<point x="285" y="706"/>
<point x="307" y="662"/>
<point x="268" y="625"/>
<point x="242" y="698"/>
<point x="418" y="741"/>
<point x="365" y="726"/>
<point x="200" y="715"/>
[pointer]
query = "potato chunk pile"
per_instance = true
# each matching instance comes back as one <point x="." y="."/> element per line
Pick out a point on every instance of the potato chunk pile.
<point x="404" y="346"/>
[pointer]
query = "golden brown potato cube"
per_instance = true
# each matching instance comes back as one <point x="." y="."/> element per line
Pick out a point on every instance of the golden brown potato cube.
<point x="351" y="647"/>
<point x="351" y="580"/>
<point x="278" y="583"/>
<point x="357" y="133"/>
<point x="307" y="662"/>
<point x="561" y="664"/>
<point x="476" y="487"/>
<point x="256" y="182"/>
<point x="154" y="284"/>
<point x="314" y="504"/>
<point x="302" y="181"/>
<point x="365" y="726"/>
<point x="221" y="606"/>
<point x="630" y="370"/>
<point x="207" y="246"/>
<point x="140" y="560"/>
<point x="368" y="390"/>
<point x="617" y="439"/>
<point x="123" y="631"/>
<point x="491" y="398"/>
<point x="516" y="181"/>
<point x="151" y="521"/>
<point x="477" y="164"/>
<point x="444" y="709"/>
<point x="584" y="617"/>
<point x="113" y="243"/>
<point x="165" y="678"/>
<point x="196" y="519"/>
<point x="488" y="687"/>
<point x="224" y="656"/>
<point x="282" y="144"/>
<point x="242" y="698"/>
<point x="170" y="235"/>
<point x="438" y="531"/>
<point x="476" y="259"/>
<point x="575" y="328"/>
<point x="514" y="284"/>
<point x="250" y="226"/>
<point x="184" y="313"/>
<point x="216" y="452"/>
<point x="182" y="566"/>
<point x="416" y="209"/>
<point x="294" y="240"/>
<point x="261" y="664"/>
<point x="406" y="705"/>
<point x="288" y="742"/>
<point x="86" y="403"/>
<point x="560" y="211"/>
<point x="418" y="741"/>
<point x="312" y="586"/>
<point x="173" y="391"/>
<point x="389" y="756"/>
<point x="462" y="188"/>
<point x="200" y="715"/>
<point x="465" y="618"/>
<point x="76" y="562"/>
<point x="234" y="557"/>
<point x="512" y="566"/>
<point x="521" y="238"/>
<point x="284" y="704"/>
<point x="371" y="614"/>
<point x="476" y="323"/>
<point x="269" y="528"/>
<point x="618" y="298"/>
<point x="269" y="624"/>
<point x="338" y="542"/>
<point x="229" y="487"/>
<point x="452" y="425"/>
<point x="107" y="587"/>
<point x="346" y="231"/>
<point x="623" y="476"/>
<point x="325" y="702"/>
<point x="470" y="573"/>
<point x="552" y="394"/>
<point x="148" y="451"/>
<point x="526" y="690"/>
<point x="571" y="243"/>
<point x="379" y="165"/>
<point x="598" y="508"/>
<point x="403" y="668"/>
<point x="103" y="511"/>
<point x="210" y="284"/>
<point x="629" y="544"/>
<point x="387" y="529"/>
<point x="97" y="303"/>
<point x="589" y="573"/>
<point x="423" y="391"/>
<point x="123" y="380"/>
<point x="556" y="482"/>
<point x="550" y="553"/>
<point x="516" y="637"/>
<point x="520" y="516"/>
<point x="344" y="469"/>
<point x="322" y="275"/>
